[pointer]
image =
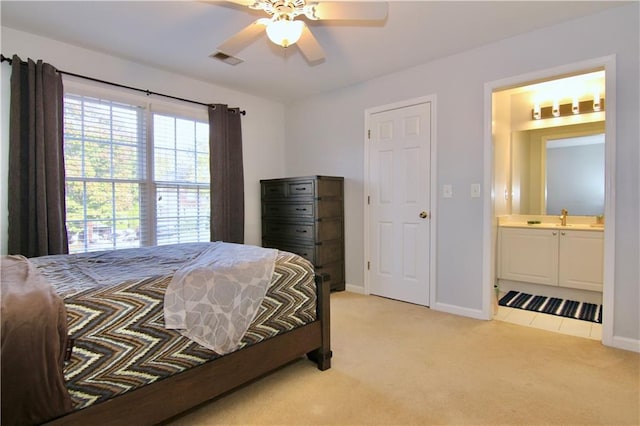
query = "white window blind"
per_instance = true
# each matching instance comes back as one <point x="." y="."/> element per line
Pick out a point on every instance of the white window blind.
<point x="181" y="177"/>
<point x="120" y="197"/>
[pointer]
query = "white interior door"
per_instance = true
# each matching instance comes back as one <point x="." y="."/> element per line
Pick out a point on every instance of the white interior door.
<point x="399" y="185"/>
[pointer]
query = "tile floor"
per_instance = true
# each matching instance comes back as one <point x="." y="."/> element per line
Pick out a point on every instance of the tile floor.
<point x="573" y="327"/>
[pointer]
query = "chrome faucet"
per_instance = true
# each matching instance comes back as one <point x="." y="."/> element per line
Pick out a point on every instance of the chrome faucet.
<point x="563" y="217"/>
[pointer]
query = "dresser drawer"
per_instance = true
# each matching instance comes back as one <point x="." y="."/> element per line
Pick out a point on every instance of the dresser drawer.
<point x="306" y="251"/>
<point x="319" y="254"/>
<point x="299" y="210"/>
<point x="308" y="231"/>
<point x="284" y="190"/>
<point x="301" y="189"/>
<point x="279" y="230"/>
<point x="273" y="190"/>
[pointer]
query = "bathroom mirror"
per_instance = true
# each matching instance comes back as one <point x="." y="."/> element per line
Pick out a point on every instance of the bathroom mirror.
<point x="556" y="168"/>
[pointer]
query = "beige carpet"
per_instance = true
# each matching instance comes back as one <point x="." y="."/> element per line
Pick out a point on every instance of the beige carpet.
<point x="400" y="364"/>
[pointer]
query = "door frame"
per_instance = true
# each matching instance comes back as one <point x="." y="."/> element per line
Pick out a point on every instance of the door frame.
<point x="489" y="221"/>
<point x="433" y="188"/>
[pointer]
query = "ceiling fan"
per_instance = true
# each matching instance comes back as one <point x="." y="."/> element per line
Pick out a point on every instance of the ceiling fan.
<point x="285" y="30"/>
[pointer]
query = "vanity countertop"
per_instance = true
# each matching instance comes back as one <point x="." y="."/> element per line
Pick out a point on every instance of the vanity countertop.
<point x="569" y="227"/>
<point x="574" y="223"/>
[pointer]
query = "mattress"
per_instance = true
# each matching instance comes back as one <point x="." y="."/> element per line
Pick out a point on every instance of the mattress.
<point x="114" y="303"/>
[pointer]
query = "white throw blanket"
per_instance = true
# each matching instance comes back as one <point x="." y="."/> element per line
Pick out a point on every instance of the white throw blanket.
<point x="213" y="299"/>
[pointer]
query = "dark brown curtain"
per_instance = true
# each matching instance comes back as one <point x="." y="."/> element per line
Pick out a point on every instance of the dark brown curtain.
<point x="227" y="176"/>
<point x="36" y="161"/>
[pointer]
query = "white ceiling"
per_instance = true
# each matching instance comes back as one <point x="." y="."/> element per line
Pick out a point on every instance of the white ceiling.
<point x="180" y="36"/>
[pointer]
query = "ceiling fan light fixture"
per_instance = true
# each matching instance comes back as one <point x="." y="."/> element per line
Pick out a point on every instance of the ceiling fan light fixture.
<point x="285" y="32"/>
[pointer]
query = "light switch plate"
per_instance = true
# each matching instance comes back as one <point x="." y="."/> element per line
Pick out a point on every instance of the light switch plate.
<point x="447" y="191"/>
<point x="475" y="190"/>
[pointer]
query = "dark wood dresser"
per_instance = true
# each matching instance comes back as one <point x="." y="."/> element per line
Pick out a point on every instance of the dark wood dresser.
<point x="305" y="215"/>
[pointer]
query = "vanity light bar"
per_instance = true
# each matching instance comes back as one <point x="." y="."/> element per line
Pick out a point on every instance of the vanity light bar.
<point x="583" y="107"/>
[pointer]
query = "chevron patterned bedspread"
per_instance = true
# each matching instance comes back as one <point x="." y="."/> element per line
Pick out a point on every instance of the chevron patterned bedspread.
<point x="114" y="304"/>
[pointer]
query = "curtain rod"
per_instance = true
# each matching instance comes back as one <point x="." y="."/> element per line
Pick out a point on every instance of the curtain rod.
<point x="145" y="91"/>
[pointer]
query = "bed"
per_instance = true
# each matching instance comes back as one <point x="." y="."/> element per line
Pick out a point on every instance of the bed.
<point x="122" y="365"/>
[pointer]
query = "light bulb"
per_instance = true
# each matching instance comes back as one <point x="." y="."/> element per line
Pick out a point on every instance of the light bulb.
<point x="596" y="101"/>
<point x="536" y="111"/>
<point x="285" y="32"/>
<point x="555" y="110"/>
<point x="575" y="106"/>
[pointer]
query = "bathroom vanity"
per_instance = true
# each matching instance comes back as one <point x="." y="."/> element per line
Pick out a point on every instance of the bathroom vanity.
<point x="570" y="256"/>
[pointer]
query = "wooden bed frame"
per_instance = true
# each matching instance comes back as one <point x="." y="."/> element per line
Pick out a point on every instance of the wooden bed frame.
<point x="169" y="397"/>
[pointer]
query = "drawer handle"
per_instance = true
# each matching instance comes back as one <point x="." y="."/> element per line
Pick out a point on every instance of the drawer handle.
<point x="301" y="231"/>
<point x="298" y="209"/>
<point x="301" y="189"/>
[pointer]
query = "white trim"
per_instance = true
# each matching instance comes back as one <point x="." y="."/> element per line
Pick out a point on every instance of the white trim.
<point x="355" y="289"/>
<point x="625" y="343"/>
<point x="488" y="274"/>
<point x="431" y="99"/>
<point x="434" y="204"/>
<point x="458" y="310"/>
<point x="488" y="255"/>
<point x="608" y="290"/>
<point x="365" y="203"/>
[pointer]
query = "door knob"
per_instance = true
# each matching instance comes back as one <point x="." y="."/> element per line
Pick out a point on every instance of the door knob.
<point x="424" y="215"/>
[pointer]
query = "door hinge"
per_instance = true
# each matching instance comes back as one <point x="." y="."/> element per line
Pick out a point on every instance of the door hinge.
<point x="368" y="265"/>
<point x="369" y="134"/>
<point x="368" y="199"/>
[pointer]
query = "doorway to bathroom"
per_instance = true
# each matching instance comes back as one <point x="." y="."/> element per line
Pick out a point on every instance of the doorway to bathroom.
<point x="545" y="268"/>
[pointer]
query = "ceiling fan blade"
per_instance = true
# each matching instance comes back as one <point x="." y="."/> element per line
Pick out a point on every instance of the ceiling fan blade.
<point x="310" y="47"/>
<point x="367" y="11"/>
<point x="242" y="39"/>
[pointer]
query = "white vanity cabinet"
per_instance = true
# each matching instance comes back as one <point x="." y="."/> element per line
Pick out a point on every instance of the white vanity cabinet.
<point x="581" y="259"/>
<point x="529" y="255"/>
<point x="557" y="257"/>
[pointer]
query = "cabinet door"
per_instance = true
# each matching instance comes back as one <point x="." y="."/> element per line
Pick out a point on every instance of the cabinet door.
<point x="581" y="260"/>
<point x="529" y="255"/>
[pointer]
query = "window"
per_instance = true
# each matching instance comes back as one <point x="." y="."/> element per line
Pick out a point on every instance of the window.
<point x="181" y="178"/>
<point x="119" y="196"/>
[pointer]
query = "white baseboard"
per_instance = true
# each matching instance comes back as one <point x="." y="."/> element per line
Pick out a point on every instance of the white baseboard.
<point x="354" y="288"/>
<point x="626" y="343"/>
<point x="457" y="310"/>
